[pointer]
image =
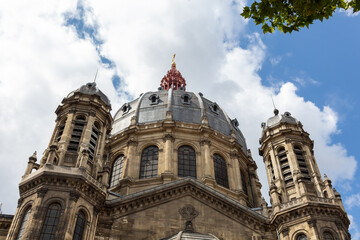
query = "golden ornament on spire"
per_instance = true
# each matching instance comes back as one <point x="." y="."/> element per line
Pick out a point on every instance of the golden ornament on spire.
<point x="173" y="61"/>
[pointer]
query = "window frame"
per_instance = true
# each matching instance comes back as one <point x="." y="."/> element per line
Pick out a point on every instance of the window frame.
<point x="221" y="171"/>
<point x="45" y="225"/>
<point x="152" y="170"/>
<point x="121" y="160"/>
<point x="186" y="163"/>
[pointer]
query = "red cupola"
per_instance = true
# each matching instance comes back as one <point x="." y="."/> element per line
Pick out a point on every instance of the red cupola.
<point x="173" y="78"/>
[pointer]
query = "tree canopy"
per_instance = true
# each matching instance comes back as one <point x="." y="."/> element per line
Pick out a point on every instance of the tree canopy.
<point x="292" y="15"/>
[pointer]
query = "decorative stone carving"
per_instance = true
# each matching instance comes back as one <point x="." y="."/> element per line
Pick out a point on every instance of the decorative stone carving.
<point x="188" y="212"/>
<point x="205" y="142"/>
<point x="169" y="137"/>
<point x="74" y="196"/>
<point x="41" y="192"/>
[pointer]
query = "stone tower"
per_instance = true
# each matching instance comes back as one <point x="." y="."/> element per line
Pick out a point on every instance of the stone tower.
<point x="71" y="179"/>
<point x="304" y="205"/>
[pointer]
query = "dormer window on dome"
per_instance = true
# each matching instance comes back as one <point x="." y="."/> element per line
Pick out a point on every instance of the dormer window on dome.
<point x="214" y="108"/>
<point x="235" y="122"/>
<point x="186" y="98"/>
<point x="125" y="108"/>
<point x="154" y="99"/>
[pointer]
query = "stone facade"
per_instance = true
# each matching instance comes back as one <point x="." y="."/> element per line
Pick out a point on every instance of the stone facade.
<point x="171" y="165"/>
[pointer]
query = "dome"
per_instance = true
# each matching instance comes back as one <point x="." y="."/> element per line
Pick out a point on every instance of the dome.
<point x="185" y="106"/>
<point x="91" y="89"/>
<point x="282" y="118"/>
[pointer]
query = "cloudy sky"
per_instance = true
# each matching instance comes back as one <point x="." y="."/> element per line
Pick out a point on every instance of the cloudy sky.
<point x="49" y="48"/>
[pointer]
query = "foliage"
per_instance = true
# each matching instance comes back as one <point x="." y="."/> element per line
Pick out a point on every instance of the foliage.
<point x="291" y="15"/>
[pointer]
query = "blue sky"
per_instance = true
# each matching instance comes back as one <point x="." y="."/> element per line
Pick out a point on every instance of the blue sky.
<point x="49" y="49"/>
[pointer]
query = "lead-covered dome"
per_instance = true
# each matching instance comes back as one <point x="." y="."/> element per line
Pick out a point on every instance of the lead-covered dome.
<point x="186" y="107"/>
<point x="91" y="89"/>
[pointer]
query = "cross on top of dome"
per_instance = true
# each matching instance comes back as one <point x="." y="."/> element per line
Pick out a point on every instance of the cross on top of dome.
<point x="173" y="79"/>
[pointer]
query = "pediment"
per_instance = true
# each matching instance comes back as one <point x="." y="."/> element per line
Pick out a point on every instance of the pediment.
<point x="169" y="198"/>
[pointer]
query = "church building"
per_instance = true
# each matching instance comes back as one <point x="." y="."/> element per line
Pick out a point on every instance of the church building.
<point x="171" y="164"/>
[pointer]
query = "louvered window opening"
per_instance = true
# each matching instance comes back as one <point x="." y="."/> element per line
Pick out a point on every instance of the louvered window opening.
<point x="80" y="226"/>
<point x="186" y="162"/>
<point x="243" y="182"/>
<point x="50" y="222"/>
<point x="149" y="162"/>
<point x="302" y="163"/>
<point x="93" y="141"/>
<point x="60" y="132"/>
<point x="23" y="223"/>
<point x="285" y="167"/>
<point x="220" y="168"/>
<point x="76" y="135"/>
<point x="272" y="170"/>
<point x="117" y="170"/>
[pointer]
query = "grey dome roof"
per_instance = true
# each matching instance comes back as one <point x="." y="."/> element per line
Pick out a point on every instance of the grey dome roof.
<point x="91" y="89"/>
<point x="185" y="106"/>
<point x="282" y="118"/>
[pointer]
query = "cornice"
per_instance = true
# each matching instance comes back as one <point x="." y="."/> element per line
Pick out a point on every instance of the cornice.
<point x="152" y="197"/>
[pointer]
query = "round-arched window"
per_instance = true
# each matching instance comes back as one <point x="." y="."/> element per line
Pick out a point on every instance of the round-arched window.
<point x="149" y="162"/>
<point x="117" y="170"/>
<point x="302" y="237"/>
<point x="220" y="168"/>
<point x="186" y="162"/>
<point x="328" y="236"/>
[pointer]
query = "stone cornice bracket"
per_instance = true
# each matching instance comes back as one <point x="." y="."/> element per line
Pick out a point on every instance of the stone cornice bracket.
<point x="205" y="142"/>
<point x="41" y="192"/>
<point x="92" y="113"/>
<point x="285" y="232"/>
<point x="20" y="201"/>
<point x="168" y="137"/>
<point x="288" y="140"/>
<point x="132" y="143"/>
<point x="74" y="196"/>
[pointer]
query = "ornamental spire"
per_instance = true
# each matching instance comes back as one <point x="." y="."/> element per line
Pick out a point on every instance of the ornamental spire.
<point x="173" y="79"/>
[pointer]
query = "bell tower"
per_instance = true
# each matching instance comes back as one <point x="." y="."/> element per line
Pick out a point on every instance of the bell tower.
<point x="300" y="198"/>
<point x="64" y="192"/>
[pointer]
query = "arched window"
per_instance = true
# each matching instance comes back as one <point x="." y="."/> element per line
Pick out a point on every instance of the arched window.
<point x="60" y="130"/>
<point x="285" y="167"/>
<point x="23" y="223"/>
<point x="117" y="170"/>
<point x="76" y="134"/>
<point x="243" y="182"/>
<point x="50" y="222"/>
<point x="328" y="236"/>
<point x="80" y="226"/>
<point x="149" y="162"/>
<point x="302" y="237"/>
<point x="301" y="161"/>
<point x="220" y="168"/>
<point x="186" y="162"/>
<point x="93" y="140"/>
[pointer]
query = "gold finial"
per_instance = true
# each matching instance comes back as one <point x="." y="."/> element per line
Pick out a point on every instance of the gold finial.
<point x="173" y="60"/>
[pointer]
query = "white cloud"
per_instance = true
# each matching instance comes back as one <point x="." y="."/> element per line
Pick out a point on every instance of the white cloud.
<point x="42" y="60"/>
<point x="352" y="201"/>
<point x="275" y="60"/>
<point x="354" y="228"/>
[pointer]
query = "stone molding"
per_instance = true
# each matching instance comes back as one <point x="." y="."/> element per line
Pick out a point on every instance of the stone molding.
<point x="185" y="187"/>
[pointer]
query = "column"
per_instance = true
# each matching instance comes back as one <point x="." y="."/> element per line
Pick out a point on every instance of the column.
<point x="132" y="166"/>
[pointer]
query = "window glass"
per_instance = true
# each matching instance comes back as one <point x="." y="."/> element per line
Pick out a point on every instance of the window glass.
<point x="149" y="162"/>
<point x="50" y="222"/>
<point x="117" y="170"/>
<point x="23" y="223"/>
<point x="302" y="237"/>
<point x="80" y="226"/>
<point x="220" y="168"/>
<point x="186" y="162"/>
